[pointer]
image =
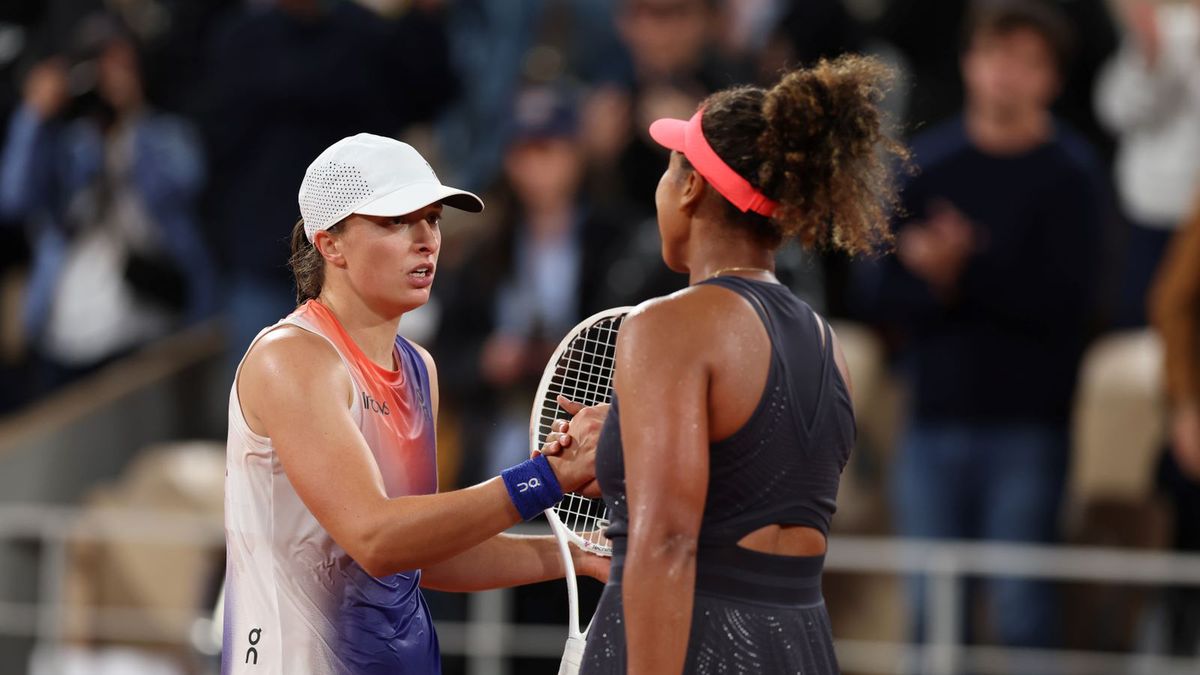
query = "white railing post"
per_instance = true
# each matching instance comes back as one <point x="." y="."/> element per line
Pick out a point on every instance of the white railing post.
<point x="943" y="606"/>
<point x="487" y="632"/>
<point x="52" y="579"/>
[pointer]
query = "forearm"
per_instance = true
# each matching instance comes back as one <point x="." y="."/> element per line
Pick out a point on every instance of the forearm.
<point x="1173" y="302"/>
<point x="502" y="561"/>
<point x="169" y="164"/>
<point x="422" y="531"/>
<point x="1130" y="93"/>
<point x="20" y="168"/>
<point x="658" y="592"/>
<point x="425" y="530"/>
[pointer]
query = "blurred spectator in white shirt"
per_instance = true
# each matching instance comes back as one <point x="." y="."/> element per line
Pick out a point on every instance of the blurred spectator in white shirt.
<point x="1149" y="95"/>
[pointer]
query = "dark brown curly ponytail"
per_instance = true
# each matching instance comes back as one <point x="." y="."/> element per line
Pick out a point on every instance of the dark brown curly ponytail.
<point x="816" y="143"/>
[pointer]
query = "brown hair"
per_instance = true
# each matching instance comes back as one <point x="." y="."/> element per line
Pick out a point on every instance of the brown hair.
<point x="307" y="264"/>
<point x="815" y="142"/>
<point x="1001" y="17"/>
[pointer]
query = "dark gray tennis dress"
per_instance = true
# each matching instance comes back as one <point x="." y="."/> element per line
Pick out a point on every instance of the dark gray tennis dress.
<point x="754" y="612"/>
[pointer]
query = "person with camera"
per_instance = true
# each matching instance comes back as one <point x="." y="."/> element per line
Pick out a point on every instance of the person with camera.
<point x="105" y="185"/>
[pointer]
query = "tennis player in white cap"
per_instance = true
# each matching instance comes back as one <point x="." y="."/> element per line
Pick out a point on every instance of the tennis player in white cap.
<point x="331" y="514"/>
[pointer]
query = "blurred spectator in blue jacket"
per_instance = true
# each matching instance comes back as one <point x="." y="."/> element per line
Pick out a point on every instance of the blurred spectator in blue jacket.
<point x="1149" y="95"/>
<point x="106" y="186"/>
<point x="286" y="79"/>
<point x="990" y="284"/>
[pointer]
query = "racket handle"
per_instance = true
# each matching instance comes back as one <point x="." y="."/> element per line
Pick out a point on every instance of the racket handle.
<point x="572" y="656"/>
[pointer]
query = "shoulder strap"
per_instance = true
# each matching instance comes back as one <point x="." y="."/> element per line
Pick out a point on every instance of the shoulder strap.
<point x="415" y="366"/>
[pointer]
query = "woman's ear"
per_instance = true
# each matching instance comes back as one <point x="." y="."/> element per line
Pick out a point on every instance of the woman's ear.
<point x="329" y="246"/>
<point x="693" y="192"/>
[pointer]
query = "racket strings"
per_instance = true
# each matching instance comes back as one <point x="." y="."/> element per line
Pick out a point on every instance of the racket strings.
<point x="583" y="374"/>
<point x="586" y="518"/>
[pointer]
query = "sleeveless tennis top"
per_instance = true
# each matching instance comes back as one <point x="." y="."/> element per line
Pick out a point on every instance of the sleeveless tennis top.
<point x="753" y="612"/>
<point x="295" y="602"/>
<point x="784" y="464"/>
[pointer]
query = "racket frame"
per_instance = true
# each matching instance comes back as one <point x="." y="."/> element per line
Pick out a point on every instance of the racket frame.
<point x="576" y="637"/>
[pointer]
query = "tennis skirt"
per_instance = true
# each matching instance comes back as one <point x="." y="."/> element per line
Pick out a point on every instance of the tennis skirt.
<point x="764" y="617"/>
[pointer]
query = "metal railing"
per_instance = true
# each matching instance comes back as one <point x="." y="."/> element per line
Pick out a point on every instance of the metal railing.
<point x="487" y="636"/>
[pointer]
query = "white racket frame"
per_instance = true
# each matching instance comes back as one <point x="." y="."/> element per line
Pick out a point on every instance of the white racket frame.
<point x="576" y="638"/>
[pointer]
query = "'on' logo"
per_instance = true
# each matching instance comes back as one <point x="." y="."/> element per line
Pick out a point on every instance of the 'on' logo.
<point x="255" y="636"/>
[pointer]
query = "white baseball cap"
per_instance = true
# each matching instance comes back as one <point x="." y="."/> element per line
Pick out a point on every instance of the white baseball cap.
<point x="372" y="176"/>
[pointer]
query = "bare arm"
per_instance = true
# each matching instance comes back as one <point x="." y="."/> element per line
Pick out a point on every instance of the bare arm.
<point x="663" y="389"/>
<point x="1173" y="302"/>
<point x="296" y="389"/>
<point x="509" y="560"/>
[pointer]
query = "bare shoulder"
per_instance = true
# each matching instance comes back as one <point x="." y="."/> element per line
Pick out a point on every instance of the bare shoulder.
<point x="291" y="361"/>
<point x="681" y="323"/>
<point x="282" y="351"/>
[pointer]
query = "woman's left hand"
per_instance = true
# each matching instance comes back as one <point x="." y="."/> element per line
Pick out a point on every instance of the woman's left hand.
<point x="588" y="422"/>
<point x="590" y="564"/>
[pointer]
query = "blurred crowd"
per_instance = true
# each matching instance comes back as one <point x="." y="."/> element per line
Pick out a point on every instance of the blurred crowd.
<point x="152" y="151"/>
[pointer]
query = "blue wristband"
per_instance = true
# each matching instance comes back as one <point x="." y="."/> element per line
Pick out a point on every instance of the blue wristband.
<point x="532" y="486"/>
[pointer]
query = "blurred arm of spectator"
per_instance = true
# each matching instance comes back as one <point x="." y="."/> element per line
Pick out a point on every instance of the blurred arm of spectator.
<point x="1142" y="83"/>
<point x="941" y="263"/>
<point x="27" y="163"/>
<point x="937" y="249"/>
<point x="886" y="290"/>
<point x="1055" y="274"/>
<point x="1175" y="312"/>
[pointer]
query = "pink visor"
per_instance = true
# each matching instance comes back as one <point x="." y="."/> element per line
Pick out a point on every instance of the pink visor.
<point x="688" y="138"/>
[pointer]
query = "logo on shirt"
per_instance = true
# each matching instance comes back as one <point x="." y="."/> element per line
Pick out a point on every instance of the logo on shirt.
<point x="254" y="637"/>
<point x="373" y="405"/>
<point x="530" y="484"/>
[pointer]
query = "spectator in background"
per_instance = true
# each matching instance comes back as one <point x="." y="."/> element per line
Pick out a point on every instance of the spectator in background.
<point x="521" y="288"/>
<point x="673" y="64"/>
<point x="1149" y="95"/>
<point x="1175" y="305"/>
<point x="990" y="283"/>
<point x="108" y="198"/>
<point x="923" y="31"/>
<point x="286" y="80"/>
<point x="500" y="44"/>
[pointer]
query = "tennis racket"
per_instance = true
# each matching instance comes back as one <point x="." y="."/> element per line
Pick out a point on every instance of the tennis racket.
<point x="581" y="369"/>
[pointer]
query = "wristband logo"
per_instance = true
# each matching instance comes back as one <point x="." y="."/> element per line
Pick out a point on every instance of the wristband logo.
<point x="531" y="484"/>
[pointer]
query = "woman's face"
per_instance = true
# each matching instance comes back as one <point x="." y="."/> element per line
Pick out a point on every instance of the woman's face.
<point x="390" y="262"/>
<point x="545" y="172"/>
<point x="673" y="217"/>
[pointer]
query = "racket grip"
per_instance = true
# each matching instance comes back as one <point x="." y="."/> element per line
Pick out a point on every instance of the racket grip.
<point x="572" y="656"/>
